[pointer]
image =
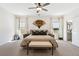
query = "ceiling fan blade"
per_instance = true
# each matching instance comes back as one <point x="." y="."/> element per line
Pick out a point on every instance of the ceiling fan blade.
<point x="36" y="4"/>
<point x="44" y="9"/>
<point x="45" y="4"/>
<point x="32" y="8"/>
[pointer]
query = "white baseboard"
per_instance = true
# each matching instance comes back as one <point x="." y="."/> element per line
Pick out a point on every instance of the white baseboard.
<point x="75" y="44"/>
<point x="3" y="43"/>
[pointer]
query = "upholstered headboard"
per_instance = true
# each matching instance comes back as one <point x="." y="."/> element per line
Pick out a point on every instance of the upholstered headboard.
<point x="39" y="32"/>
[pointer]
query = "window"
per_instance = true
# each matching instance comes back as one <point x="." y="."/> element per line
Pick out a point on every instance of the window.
<point x="20" y="24"/>
<point x="55" y="24"/>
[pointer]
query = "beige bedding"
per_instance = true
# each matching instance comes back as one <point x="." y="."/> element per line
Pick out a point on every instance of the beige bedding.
<point x="38" y="38"/>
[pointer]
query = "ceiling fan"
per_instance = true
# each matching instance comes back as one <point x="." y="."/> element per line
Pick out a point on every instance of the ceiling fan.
<point x="39" y="7"/>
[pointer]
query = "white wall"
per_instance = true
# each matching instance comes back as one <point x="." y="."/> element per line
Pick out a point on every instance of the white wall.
<point x="75" y="26"/>
<point x="75" y="31"/>
<point x="6" y="26"/>
<point x="46" y="26"/>
<point x="30" y="19"/>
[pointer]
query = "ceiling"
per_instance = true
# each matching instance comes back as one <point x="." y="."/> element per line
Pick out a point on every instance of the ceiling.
<point x="53" y="8"/>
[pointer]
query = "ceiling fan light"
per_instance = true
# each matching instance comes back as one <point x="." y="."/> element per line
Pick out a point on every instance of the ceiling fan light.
<point x="39" y="9"/>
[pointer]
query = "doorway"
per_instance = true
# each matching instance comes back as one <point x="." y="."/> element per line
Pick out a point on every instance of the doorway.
<point x="69" y="31"/>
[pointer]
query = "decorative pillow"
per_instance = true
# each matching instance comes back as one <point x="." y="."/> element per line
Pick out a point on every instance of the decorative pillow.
<point x="51" y="35"/>
<point x="25" y="35"/>
<point x="35" y="32"/>
<point x="43" y="32"/>
<point x="39" y="32"/>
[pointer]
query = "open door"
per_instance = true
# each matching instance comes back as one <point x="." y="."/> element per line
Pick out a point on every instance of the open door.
<point x="69" y="31"/>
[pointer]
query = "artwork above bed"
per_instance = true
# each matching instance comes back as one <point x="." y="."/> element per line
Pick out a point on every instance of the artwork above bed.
<point x="39" y="23"/>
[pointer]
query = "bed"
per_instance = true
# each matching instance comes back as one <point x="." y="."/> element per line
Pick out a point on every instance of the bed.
<point x="36" y="37"/>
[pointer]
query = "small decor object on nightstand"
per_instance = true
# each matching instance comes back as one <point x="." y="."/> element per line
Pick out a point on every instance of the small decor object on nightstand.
<point x="39" y="23"/>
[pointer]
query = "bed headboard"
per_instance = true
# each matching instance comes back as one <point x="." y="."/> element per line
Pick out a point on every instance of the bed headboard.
<point x="39" y="32"/>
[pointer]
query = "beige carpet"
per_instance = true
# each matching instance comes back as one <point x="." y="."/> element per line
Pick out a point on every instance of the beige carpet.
<point x="14" y="49"/>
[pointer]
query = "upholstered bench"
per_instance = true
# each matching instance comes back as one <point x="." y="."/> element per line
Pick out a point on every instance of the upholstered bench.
<point x="39" y="44"/>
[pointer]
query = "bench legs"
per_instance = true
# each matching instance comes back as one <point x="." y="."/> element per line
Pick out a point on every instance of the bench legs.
<point x="52" y="50"/>
<point x="28" y="50"/>
<point x="28" y="47"/>
<point x="51" y="47"/>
